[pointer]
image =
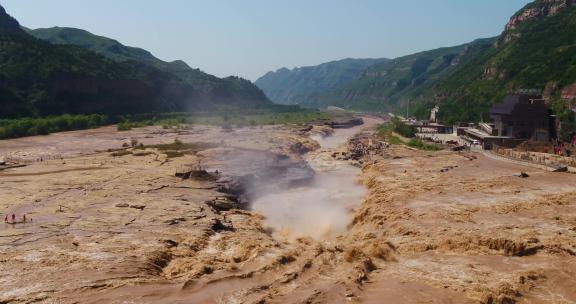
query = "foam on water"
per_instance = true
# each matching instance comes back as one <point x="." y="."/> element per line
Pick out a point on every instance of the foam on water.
<point x="322" y="209"/>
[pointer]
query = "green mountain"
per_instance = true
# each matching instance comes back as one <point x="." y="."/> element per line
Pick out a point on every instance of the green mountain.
<point x="7" y="22"/>
<point x="102" y="45"/>
<point x="383" y="86"/>
<point x="536" y="52"/>
<point x="38" y="78"/>
<point x="298" y="85"/>
<point x="116" y="51"/>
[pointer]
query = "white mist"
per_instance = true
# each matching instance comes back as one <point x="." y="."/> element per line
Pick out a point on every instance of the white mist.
<point x="321" y="210"/>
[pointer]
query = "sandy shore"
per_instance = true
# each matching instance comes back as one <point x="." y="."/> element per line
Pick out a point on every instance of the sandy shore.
<point x="440" y="227"/>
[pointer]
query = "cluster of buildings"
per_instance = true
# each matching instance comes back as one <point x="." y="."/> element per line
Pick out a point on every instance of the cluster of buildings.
<point x="517" y="119"/>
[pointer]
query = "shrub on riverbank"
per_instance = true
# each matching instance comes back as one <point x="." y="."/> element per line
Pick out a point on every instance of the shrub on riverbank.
<point x="398" y="126"/>
<point x="421" y="145"/>
<point x="402" y="128"/>
<point x="395" y="140"/>
<point x="19" y="127"/>
<point x="416" y="143"/>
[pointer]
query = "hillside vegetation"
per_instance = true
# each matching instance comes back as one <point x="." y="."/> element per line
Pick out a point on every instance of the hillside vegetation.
<point x="116" y="51"/>
<point x="538" y="53"/>
<point x="229" y="119"/>
<point x="388" y="85"/>
<point x="299" y="85"/>
<point x="38" y="78"/>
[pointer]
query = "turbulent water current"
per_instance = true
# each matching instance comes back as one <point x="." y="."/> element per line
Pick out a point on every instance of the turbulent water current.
<point x="322" y="208"/>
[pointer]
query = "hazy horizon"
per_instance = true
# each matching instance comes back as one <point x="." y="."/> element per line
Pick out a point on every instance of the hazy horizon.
<point x="251" y="38"/>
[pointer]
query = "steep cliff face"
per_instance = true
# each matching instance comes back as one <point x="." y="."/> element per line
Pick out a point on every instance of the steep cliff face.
<point x="300" y="85"/>
<point x="536" y="10"/>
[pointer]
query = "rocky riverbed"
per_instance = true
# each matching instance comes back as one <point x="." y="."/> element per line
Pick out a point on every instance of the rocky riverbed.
<point x="274" y="215"/>
<point x="141" y="222"/>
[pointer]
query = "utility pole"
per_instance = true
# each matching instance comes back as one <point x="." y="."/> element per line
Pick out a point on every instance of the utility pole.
<point x="407" y="109"/>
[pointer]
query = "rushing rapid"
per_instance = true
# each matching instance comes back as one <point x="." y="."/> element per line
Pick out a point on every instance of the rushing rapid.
<point x="322" y="208"/>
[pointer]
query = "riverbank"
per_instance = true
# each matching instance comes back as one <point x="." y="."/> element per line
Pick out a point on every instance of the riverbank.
<point x="464" y="228"/>
<point x="119" y="224"/>
<point x="444" y="227"/>
<point x="229" y="118"/>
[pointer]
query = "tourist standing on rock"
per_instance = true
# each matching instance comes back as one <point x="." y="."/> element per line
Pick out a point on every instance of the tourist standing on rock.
<point x="13" y="218"/>
<point x="24" y="218"/>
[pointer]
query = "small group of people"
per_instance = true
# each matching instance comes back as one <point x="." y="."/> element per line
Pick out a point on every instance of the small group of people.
<point x="563" y="149"/>
<point x="12" y="219"/>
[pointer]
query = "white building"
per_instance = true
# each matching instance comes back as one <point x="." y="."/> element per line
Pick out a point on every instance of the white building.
<point x="434" y="113"/>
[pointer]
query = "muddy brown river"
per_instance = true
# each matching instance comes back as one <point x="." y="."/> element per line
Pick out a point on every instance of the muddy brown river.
<point x="407" y="227"/>
<point x="323" y="208"/>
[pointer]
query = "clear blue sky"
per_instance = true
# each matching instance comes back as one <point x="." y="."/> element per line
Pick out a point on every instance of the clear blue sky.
<point x="250" y="37"/>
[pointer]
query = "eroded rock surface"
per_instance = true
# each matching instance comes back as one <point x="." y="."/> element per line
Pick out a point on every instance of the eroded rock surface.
<point x="443" y="227"/>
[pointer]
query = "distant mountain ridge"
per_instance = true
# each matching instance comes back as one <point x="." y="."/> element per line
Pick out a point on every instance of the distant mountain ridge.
<point x="110" y="48"/>
<point x="38" y="78"/>
<point x="116" y="51"/>
<point x="373" y="84"/>
<point x="536" y="52"/>
<point x="295" y="86"/>
<point x="384" y="86"/>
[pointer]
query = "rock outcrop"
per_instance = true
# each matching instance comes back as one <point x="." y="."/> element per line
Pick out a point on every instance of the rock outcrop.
<point x="569" y="92"/>
<point x="538" y="9"/>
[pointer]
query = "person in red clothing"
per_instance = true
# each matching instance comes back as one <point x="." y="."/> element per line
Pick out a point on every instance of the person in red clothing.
<point x="13" y="218"/>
